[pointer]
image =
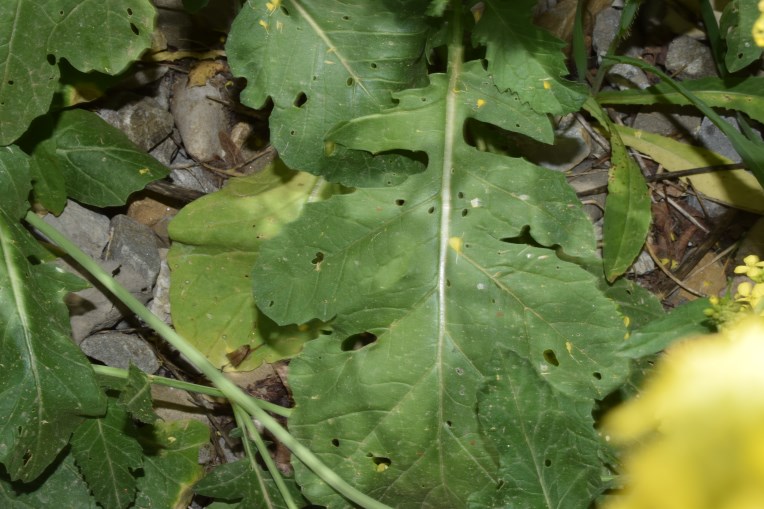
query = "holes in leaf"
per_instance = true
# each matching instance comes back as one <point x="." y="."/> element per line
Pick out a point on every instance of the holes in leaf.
<point x="10" y="82"/>
<point x="551" y="357"/>
<point x="431" y="210"/>
<point x="460" y="195"/>
<point x="300" y="100"/>
<point x="381" y="463"/>
<point x="547" y="463"/>
<point x="597" y="375"/>
<point x="315" y="78"/>
<point x="135" y="29"/>
<point x="448" y="423"/>
<point x="400" y="202"/>
<point x="129" y="11"/>
<point x="465" y="212"/>
<point x="350" y="82"/>
<point x="335" y="442"/>
<point x="285" y="11"/>
<point x="51" y="59"/>
<point x="317" y="260"/>
<point x="424" y="99"/>
<point x="292" y="132"/>
<point x="373" y="65"/>
<point x="270" y="304"/>
<point x="358" y="341"/>
<point x="346" y="18"/>
<point x="448" y="283"/>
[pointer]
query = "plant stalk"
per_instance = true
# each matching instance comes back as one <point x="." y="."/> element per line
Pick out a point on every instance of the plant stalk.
<point x="231" y="391"/>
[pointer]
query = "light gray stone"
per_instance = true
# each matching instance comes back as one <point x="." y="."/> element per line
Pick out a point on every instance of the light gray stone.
<point x="625" y="76"/>
<point x="689" y="58"/>
<point x="199" y="118"/>
<point x="667" y="124"/>
<point x="134" y="245"/>
<point x="87" y="229"/>
<point x="119" y="350"/>
<point x="605" y="28"/>
<point x="713" y="139"/>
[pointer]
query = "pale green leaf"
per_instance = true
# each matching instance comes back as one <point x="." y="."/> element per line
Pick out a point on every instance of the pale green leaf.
<point x="326" y="62"/>
<point x="526" y="59"/>
<point x="553" y="460"/>
<point x="741" y="94"/>
<point x="171" y="463"/>
<point x="135" y="396"/>
<point x="737" y="188"/>
<point x="103" y="35"/>
<point x="99" y="164"/>
<point x="217" y="239"/>
<point x="736" y="26"/>
<point x="107" y="455"/>
<point x="627" y="211"/>
<point x="435" y="271"/>
<point x="61" y="487"/>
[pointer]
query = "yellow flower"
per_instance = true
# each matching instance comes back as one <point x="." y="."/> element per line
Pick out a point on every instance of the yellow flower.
<point x="700" y="426"/>
<point x="758" y="27"/>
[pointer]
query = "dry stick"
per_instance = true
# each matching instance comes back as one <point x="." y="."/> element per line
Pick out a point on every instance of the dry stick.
<point x="672" y="175"/>
<point x="668" y="273"/>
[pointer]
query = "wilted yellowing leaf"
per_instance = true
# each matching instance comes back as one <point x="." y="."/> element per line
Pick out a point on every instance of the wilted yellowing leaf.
<point x="700" y="426"/>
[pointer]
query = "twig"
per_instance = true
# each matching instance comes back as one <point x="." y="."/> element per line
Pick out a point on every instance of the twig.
<point x="668" y="272"/>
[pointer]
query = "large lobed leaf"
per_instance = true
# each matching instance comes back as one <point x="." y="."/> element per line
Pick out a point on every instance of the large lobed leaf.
<point x="100" y="35"/>
<point x="437" y="270"/>
<point x="47" y="385"/>
<point x="326" y="62"/>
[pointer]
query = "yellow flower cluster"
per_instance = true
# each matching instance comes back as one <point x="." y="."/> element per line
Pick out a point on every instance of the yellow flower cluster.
<point x="697" y="429"/>
<point x="725" y="311"/>
<point x="758" y="27"/>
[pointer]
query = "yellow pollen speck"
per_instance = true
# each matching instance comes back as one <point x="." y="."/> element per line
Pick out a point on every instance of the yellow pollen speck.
<point x="547" y="84"/>
<point x="569" y="347"/>
<point x="272" y="6"/>
<point x="626" y="320"/>
<point x="456" y="244"/>
<point x="381" y="467"/>
<point x="480" y="103"/>
<point x="263" y="24"/>
<point x="143" y="171"/>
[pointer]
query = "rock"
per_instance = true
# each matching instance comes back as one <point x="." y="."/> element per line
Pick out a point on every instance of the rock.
<point x="142" y="119"/>
<point x="713" y="139"/>
<point x="625" y="76"/>
<point x="119" y="350"/>
<point x="134" y="245"/>
<point x="605" y="28"/>
<point x="87" y="229"/>
<point x="593" y="204"/>
<point x="200" y="118"/>
<point x="572" y="144"/>
<point x="196" y="178"/>
<point x="644" y="264"/>
<point x="160" y="305"/>
<point x="667" y="124"/>
<point x="95" y="309"/>
<point x="689" y="59"/>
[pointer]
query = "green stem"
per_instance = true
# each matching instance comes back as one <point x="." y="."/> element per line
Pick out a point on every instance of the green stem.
<point x="111" y="372"/>
<point x="245" y="423"/>
<point x="230" y="390"/>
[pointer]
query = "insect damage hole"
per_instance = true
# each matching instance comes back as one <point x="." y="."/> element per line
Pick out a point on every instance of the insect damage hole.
<point x="358" y="341"/>
<point x="551" y="357"/>
<point x="300" y="100"/>
<point x="400" y="202"/>
<point x="317" y="260"/>
<point x="381" y="463"/>
<point x="135" y="29"/>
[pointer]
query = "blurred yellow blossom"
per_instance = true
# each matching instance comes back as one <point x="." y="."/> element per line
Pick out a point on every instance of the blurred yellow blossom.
<point x="696" y="432"/>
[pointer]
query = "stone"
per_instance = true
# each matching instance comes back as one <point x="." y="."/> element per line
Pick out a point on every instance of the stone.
<point x="667" y="124"/>
<point x="572" y="144"/>
<point x="199" y="118"/>
<point x="134" y="245"/>
<point x="119" y="350"/>
<point x="87" y="229"/>
<point x="625" y="76"/>
<point x="142" y="119"/>
<point x="605" y="28"/>
<point x="713" y="139"/>
<point x="689" y="59"/>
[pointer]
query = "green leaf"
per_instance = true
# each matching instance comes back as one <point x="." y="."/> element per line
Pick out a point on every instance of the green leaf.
<point x="62" y="486"/>
<point x="686" y="320"/>
<point x="553" y="460"/>
<point x="627" y="211"/>
<point x="47" y="385"/>
<point x="216" y="242"/>
<point x="238" y="482"/>
<point x="107" y="455"/>
<point x="751" y="152"/>
<point x="100" y="166"/>
<point x="135" y="396"/>
<point x="324" y="63"/>
<point x="103" y="35"/>
<point x="171" y="464"/>
<point x="736" y="25"/>
<point x="435" y="272"/>
<point x="741" y="94"/>
<point x="526" y="59"/>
